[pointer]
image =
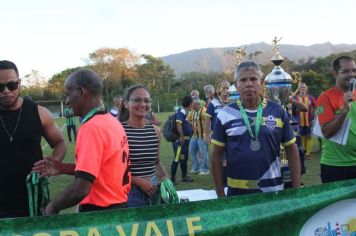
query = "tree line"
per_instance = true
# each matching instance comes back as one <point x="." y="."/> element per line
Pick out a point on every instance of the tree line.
<point x="120" y="68"/>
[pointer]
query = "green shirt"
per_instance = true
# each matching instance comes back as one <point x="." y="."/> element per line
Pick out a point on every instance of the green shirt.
<point x="70" y="118"/>
<point x="335" y="154"/>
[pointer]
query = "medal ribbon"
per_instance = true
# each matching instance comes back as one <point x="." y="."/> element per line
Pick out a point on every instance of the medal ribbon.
<point x="90" y="114"/>
<point x="247" y="122"/>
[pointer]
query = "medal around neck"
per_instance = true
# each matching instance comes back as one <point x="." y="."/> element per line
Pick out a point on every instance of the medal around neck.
<point x="255" y="145"/>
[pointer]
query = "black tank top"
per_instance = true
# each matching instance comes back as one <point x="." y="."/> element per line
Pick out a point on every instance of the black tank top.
<point x="17" y="157"/>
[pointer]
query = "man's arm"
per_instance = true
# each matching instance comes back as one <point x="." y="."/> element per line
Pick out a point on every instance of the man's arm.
<point x="293" y="163"/>
<point x="52" y="167"/>
<point x="180" y="132"/>
<point x="330" y="128"/>
<point x="52" y="134"/>
<point x="160" y="170"/>
<point x="216" y="168"/>
<point x="300" y="106"/>
<point x="207" y="129"/>
<point x="71" y="196"/>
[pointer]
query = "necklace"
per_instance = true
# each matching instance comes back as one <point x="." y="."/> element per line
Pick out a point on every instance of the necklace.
<point x="17" y="124"/>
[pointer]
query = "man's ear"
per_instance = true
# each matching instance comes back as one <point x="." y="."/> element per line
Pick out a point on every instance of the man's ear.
<point x="334" y="73"/>
<point x="82" y="91"/>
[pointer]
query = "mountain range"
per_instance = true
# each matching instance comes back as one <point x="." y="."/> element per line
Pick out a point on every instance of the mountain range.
<point x="219" y="59"/>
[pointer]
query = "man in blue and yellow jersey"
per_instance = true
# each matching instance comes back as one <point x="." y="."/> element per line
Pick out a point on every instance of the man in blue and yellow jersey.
<point x="251" y="130"/>
<point x="305" y="118"/>
<point x="181" y="145"/>
<point x="197" y="143"/>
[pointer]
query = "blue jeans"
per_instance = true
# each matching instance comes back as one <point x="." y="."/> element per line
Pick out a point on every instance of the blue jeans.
<point x="195" y="145"/>
<point x="138" y="198"/>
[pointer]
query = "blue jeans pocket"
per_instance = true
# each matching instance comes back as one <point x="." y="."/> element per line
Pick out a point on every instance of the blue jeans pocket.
<point x="137" y="198"/>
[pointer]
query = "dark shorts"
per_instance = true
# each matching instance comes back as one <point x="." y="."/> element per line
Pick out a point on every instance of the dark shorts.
<point x="336" y="173"/>
<point x="89" y="207"/>
<point x="14" y="213"/>
<point x="305" y="130"/>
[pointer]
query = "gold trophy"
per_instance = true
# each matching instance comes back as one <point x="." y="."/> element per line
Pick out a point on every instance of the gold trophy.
<point x="278" y="83"/>
<point x="240" y="52"/>
<point x="278" y="86"/>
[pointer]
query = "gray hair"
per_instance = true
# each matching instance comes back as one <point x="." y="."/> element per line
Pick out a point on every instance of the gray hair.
<point x="87" y="79"/>
<point x="209" y="88"/>
<point x="247" y="65"/>
<point x="194" y="91"/>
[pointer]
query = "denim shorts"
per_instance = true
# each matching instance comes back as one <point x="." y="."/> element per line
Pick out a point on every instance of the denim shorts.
<point x="137" y="198"/>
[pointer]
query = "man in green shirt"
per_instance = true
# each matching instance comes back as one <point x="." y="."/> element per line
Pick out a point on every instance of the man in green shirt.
<point x="334" y="107"/>
<point x="70" y="122"/>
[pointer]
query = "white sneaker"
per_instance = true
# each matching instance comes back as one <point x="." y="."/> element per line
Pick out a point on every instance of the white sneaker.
<point x="192" y="171"/>
<point x="203" y="173"/>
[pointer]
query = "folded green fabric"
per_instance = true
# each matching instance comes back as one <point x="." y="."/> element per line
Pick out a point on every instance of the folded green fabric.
<point x="168" y="192"/>
<point x="35" y="184"/>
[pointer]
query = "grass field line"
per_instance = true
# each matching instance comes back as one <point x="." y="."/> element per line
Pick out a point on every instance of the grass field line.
<point x="46" y="145"/>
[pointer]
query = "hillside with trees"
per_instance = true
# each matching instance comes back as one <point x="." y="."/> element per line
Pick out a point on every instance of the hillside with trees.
<point x="220" y="59"/>
<point x="121" y="68"/>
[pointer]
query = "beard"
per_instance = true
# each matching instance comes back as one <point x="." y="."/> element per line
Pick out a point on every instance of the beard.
<point x="9" y="104"/>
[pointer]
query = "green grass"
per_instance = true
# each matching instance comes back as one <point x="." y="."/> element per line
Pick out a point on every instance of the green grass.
<point x="58" y="183"/>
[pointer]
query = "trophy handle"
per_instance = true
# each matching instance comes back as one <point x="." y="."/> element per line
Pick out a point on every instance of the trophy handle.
<point x="297" y="78"/>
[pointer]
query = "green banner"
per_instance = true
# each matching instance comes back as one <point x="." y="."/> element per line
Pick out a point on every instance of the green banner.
<point x="328" y="209"/>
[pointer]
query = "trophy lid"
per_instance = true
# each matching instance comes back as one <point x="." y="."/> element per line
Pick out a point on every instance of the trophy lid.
<point x="277" y="59"/>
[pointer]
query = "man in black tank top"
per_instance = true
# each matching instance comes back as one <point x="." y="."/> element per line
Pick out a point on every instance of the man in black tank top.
<point x="22" y="125"/>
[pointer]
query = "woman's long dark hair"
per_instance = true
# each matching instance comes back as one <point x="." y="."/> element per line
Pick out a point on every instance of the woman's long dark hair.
<point x="124" y="113"/>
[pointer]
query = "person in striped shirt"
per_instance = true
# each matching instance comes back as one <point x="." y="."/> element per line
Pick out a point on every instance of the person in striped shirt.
<point x="70" y="122"/>
<point x="197" y="143"/>
<point x="305" y="118"/>
<point x="144" y="139"/>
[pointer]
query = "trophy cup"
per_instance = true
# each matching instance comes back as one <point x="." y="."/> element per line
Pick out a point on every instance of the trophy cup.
<point x="233" y="94"/>
<point x="278" y="83"/>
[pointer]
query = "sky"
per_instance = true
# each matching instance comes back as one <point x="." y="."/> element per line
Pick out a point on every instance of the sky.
<point x="52" y="35"/>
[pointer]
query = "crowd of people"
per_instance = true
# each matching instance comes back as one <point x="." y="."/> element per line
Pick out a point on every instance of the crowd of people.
<point x="117" y="162"/>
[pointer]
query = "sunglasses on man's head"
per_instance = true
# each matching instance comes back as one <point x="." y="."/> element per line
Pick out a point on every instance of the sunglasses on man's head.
<point x="10" y="85"/>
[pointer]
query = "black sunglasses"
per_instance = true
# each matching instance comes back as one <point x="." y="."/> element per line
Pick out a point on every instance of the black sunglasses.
<point x="11" y="86"/>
